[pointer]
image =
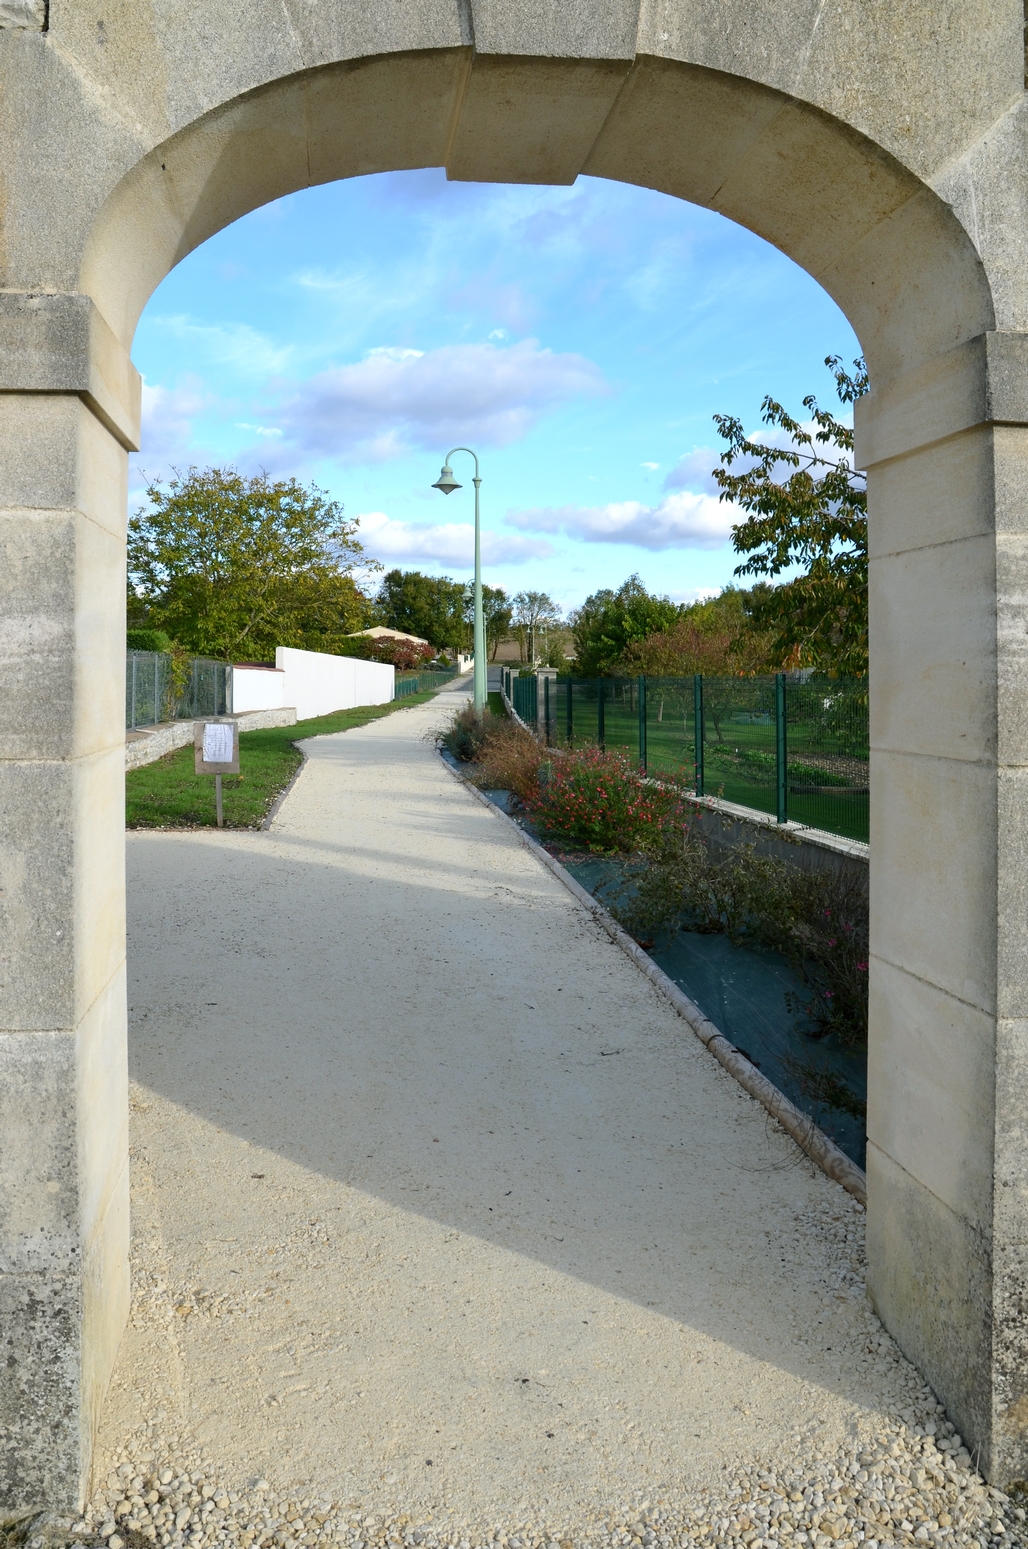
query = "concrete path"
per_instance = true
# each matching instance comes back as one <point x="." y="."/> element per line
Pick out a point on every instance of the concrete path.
<point x="437" y="1204"/>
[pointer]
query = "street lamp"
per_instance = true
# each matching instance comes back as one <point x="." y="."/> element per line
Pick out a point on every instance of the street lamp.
<point x="447" y="483"/>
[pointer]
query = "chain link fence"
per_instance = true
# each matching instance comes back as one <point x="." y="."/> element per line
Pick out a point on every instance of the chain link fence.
<point x="156" y="692"/>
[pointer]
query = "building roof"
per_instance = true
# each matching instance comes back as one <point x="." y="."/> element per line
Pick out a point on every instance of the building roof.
<point x="380" y="633"/>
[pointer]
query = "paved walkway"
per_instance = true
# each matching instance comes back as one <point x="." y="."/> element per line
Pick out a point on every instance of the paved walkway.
<point x="437" y="1204"/>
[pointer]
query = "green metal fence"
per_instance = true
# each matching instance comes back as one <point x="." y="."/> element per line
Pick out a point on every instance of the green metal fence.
<point x="152" y="693"/>
<point x="418" y="682"/>
<point x="794" y="745"/>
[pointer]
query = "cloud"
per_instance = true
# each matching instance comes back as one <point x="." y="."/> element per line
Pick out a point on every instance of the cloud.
<point x="450" y="543"/>
<point x="693" y="472"/>
<point x="651" y="466"/>
<point x="682" y="520"/>
<point x="228" y="344"/>
<point x="394" y="400"/>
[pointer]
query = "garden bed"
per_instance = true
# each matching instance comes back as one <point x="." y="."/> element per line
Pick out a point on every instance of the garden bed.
<point x="775" y="955"/>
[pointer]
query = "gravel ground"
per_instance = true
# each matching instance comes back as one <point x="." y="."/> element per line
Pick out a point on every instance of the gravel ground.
<point x="448" y="1231"/>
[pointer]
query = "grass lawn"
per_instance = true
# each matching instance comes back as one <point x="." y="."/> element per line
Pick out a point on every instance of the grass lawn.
<point x="167" y="794"/>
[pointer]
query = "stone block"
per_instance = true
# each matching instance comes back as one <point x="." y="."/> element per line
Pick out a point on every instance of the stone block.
<point x="930" y="1280"/>
<point x="681" y="129"/>
<point x="56" y="456"/>
<point x="552" y="29"/>
<point x="531" y="120"/>
<point x="39" y="1198"/>
<point x="37" y="896"/>
<point x="933" y="896"/>
<point x="931" y="1077"/>
<point x="98" y="921"/>
<point x="42" y="1461"/>
<point x="933" y="495"/>
<point x="934" y="674"/>
<point x="61" y="344"/>
<point x="1011" y="901"/>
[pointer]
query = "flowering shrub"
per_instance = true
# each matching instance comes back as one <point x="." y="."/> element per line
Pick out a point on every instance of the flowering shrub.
<point x="598" y="801"/>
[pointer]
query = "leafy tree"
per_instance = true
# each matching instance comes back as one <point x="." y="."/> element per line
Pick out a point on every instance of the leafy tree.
<point x="429" y="606"/>
<point x="534" y="612"/>
<point x="233" y="567"/>
<point x="814" y="516"/>
<point x="715" y="637"/>
<point x="497" y="613"/>
<point x="609" y="622"/>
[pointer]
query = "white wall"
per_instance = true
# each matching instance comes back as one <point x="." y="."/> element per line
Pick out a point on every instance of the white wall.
<point x="317" y="683"/>
<point x="258" y="688"/>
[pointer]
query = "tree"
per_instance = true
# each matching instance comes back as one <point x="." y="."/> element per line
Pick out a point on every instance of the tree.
<point x="715" y="637"/>
<point x="497" y="613"/>
<point x="233" y="567"/>
<point x="815" y="517"/>
<point x="534" y="612"/>
<point x="609" y="622"/>
<point x="431" y="607"/>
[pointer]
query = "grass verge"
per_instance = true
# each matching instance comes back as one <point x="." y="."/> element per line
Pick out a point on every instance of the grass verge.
<point x="167" y="794"/>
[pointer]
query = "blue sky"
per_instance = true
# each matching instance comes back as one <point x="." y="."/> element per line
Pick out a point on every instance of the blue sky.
<point x="580" y="339"/>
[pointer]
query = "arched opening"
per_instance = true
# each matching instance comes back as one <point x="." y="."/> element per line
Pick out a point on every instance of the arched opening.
<point x="905" y="273"/>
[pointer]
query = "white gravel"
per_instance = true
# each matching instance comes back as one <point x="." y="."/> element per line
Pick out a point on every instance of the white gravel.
<point x="448" y="1231"/>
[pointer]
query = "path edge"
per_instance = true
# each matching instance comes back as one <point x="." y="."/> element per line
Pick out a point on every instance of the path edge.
<point x="807" y="1135"/>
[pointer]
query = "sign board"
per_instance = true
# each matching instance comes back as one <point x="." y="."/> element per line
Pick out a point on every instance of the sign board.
<point x="216" y="747"/>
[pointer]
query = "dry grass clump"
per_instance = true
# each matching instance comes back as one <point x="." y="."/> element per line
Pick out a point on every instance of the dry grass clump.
<point x="509" y="759"/>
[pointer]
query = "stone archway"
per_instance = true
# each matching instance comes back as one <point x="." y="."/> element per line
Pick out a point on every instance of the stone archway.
<point x="128" y="139"/>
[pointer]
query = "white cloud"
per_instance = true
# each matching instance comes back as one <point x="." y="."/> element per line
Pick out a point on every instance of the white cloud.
<point x="258" y="430"/>
<point x="394" y="400"/>
<point x="693" y="472"/>
<point x="228" y="344"/>
<point x="450" y="543"/>
<point x="651" y="466"/>
<point x="682" y="520"/>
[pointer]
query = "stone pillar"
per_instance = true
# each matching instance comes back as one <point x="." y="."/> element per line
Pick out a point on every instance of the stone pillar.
<point x="946" y="448"/>
<point x="69" y="409"/>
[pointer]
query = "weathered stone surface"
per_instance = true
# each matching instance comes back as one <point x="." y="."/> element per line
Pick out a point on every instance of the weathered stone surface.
<point x="23" y="13"/>
<point x="882" y="145"/>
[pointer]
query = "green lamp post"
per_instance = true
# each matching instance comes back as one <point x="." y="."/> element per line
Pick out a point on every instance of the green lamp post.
<point x="447" y="483"/>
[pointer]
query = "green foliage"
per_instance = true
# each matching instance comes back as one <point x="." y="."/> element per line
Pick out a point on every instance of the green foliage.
<point x="716" y="636"/>
<point x="429" y="606"/>
<point x="597" y="801"/>
<point x="168" y="794"/>
<point x="497" y="612"/>
<point x="608" y="623"/>
<point x="814" y="516"/>
<point x="232" y="567"/>
<point x="148" y="640"/>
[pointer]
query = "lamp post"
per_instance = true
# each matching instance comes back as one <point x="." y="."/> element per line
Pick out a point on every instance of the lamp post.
<point x="447" y="483"/>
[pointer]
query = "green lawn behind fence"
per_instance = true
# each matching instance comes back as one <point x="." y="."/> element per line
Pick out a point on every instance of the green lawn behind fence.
<point x="167" y="794"/>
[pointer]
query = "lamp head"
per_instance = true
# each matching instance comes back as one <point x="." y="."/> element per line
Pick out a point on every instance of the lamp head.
<point x="446" y="481"/>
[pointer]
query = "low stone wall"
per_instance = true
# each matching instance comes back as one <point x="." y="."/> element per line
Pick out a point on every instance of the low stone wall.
<point x="148" y="744"/>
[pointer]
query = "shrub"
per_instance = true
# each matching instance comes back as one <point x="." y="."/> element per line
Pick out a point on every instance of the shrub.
<point x="464" y="736"/>
<point x="148" y="640"/>
<point x="598" y="801"/>
<point x="509" y="759"/>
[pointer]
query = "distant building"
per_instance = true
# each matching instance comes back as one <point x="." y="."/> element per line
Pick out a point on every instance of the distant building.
<point x="381" y="633"/>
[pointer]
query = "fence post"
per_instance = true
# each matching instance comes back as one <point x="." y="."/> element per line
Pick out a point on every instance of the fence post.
<point x="569" y="690"/>
<point x="697" y="716"/>
<point x="642" y="723"/>
<point x="601" y="716"/>
<point x="546" y="710"/>
<point x="780" y="749"/>
<point x="133" y="690"/>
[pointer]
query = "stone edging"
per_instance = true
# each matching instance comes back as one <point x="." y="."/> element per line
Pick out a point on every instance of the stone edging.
<point x="799" y="1125"/>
